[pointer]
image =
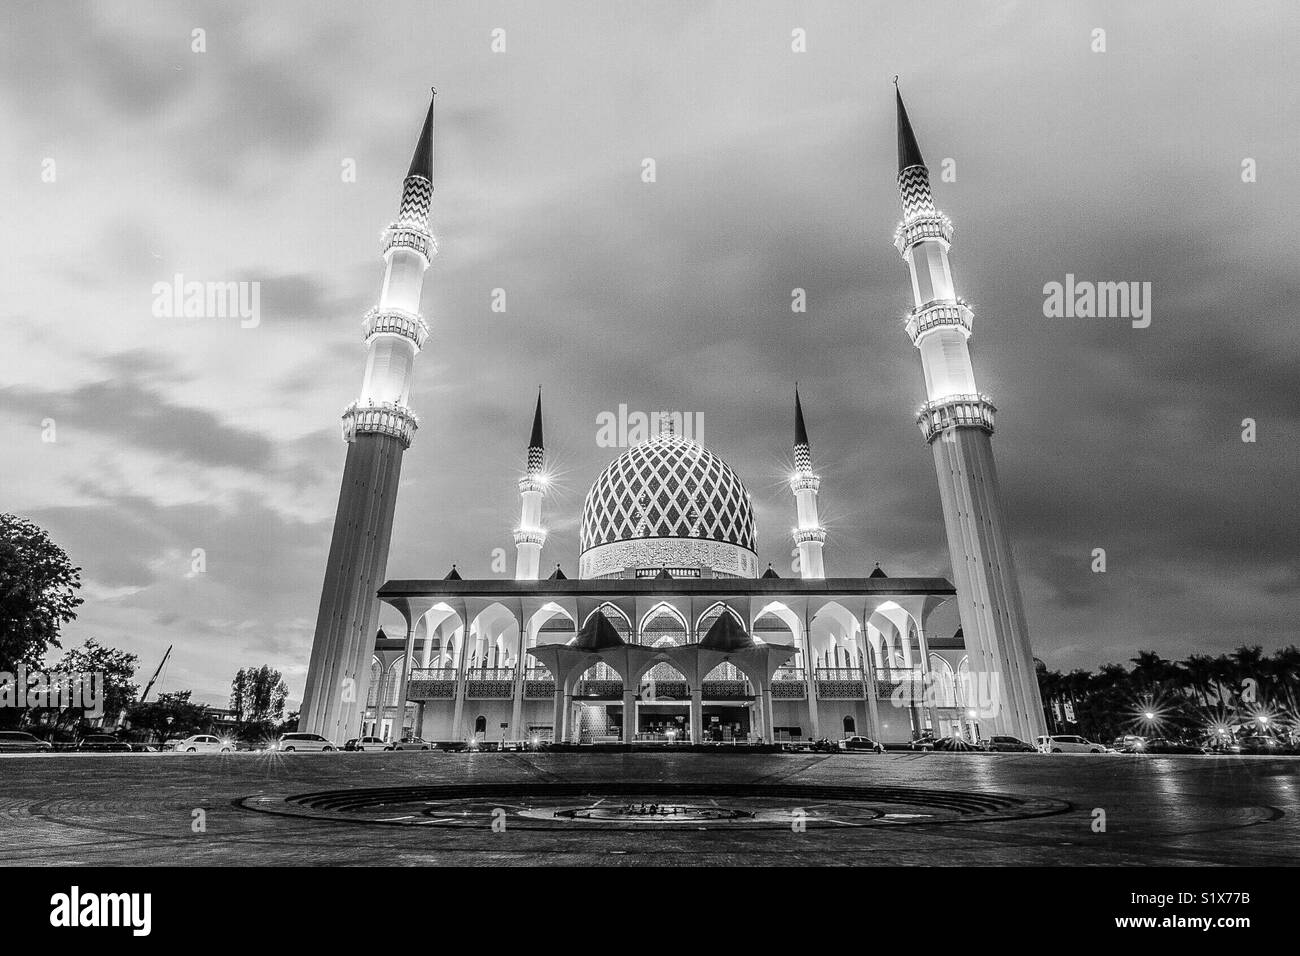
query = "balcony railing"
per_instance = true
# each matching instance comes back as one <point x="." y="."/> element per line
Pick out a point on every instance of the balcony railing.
<point x="838" y="673"/>
<point x="490" y="673"/>
<point x="899" y="684"/>
<point x="433" y="673"/>
<point x="789" y="689"/>
<point x="725" y="690"/>
<point x="612" y="689"/>
<point x="539" y="689"/>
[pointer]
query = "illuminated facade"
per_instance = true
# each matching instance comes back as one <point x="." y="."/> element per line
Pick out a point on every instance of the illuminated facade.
<point x="670" y="632"/>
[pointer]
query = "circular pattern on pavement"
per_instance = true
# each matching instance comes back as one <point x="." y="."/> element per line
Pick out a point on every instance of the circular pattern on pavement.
<point x="657" y="805"/>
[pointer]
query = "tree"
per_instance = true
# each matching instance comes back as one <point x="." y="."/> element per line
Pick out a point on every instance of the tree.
<point x="186" y="717"/>
<point x="117" y="668"/>
<point x="1200" y="675"/>
<point x="38" y="593"/>
<point x="258" y="695"/>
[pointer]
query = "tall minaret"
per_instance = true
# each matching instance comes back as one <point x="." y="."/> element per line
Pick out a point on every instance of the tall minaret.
<point x="957" y="422"/>
<point x="377" y="427"/>
<point x="809" y="535"/>
<point x="530" y="535"/>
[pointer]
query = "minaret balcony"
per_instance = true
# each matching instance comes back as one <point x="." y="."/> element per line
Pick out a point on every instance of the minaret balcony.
<point x="409" y="325"/>
<point x="805" y="481"/>
<point x="403" y="236"/>
<point x="933" y="316"/>
<point x="912" y="231"/>
<point x="955" y="411"/>
<point x="532" y="482"/>
<point x="806" y="535"/>
<point x="385" y="418"/>
<point x="530" y="536"/>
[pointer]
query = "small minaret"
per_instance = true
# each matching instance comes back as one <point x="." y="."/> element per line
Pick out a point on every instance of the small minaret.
<point x="809" y="535"/>
<point x="378" y="428"/>
<point x="530" y="535"/>
<point x="957" y="422"/>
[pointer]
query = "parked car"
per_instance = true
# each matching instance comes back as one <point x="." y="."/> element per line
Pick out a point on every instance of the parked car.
<point x="102" y="743"/>
<point x="953" y="744"/>
<point x="289" y="743"/>
<point x="1162" y="745"/>
<point x="1001" y="744"/>
<point x="371" y="743"/>
<point x="1128" y="743"/>
<point x="1259" y="744"/>
<point x="410" y="743"/>
<point x="858" y="742"/>
<point x="203" y="744"/>
<point x="924" y="742"/>
<point x="1068" y="744"/>
<point x="21" y="742"/>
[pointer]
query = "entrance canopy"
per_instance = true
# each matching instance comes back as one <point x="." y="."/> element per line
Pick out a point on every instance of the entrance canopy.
<point x="726" y="641"/>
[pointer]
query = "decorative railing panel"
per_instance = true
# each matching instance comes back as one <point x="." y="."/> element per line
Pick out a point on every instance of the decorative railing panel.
<point x="600" y="688"/>
<point x="840" y="690"/>
<point x="725" y="689"/>
<point x="789" y="690"/>
<point x="433" y="673"/>
<point x="665" y="690"/>
<point x="490" y="673"/>
<point x="838" y="673"/>
<point x="490" y="689"/>
<point x="539" y="689"/>
<point x="431" y="690"/>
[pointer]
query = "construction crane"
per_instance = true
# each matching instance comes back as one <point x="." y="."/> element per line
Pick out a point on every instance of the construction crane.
<point x="163" y="663"/>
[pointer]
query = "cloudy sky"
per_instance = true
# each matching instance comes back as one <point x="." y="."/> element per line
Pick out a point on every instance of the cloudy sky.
<point x="775" y="170"/>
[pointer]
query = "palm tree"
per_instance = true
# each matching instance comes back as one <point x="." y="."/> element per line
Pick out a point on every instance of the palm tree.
<point x="1199" y="669"/>
<point x="1248" y="665"/>
<point x="1286" y="667"/>
<point x="1225" y="673"/>
<point x="1149" y="668"/>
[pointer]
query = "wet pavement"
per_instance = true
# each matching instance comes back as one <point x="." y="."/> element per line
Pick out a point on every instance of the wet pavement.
<point x="142" y="809"/>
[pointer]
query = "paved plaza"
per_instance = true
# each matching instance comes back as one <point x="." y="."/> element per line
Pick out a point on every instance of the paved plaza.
<point x="440" y="809"/>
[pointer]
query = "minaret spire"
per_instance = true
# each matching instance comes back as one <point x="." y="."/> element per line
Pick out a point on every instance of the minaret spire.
<point x="378" y="427"/>
<point x="422" y="160"/>
<point x="530" y="535"/>
<point x="535" y="440"/>
<point x="909" y="154"/>
<point x="957" y="422"/>
<point x="808" y="535"/>
<point x="802" y="449"/>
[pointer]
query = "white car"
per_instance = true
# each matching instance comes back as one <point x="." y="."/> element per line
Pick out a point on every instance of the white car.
<point x="371" y="743"/>
<point x="203" y="744"/>
<point x="288" y="743"/>
<point x="1068" y="744"/>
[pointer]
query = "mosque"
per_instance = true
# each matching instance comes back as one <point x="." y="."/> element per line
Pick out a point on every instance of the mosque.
<point x="670" y="632"/>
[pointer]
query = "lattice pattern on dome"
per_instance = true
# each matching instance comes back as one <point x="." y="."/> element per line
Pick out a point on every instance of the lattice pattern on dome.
<point x="667" y="487"/>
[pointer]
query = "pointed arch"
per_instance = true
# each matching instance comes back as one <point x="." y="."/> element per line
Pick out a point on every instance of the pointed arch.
<point x="664" y="625"/>
<point x="616" y="616"/>
<point x="711" y="614"/>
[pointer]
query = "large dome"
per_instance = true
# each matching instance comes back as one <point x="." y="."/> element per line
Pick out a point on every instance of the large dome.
<point x="670" y="503"/>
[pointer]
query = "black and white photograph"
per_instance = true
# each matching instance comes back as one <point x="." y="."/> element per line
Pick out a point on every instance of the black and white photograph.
<point x="626" y="448"/>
